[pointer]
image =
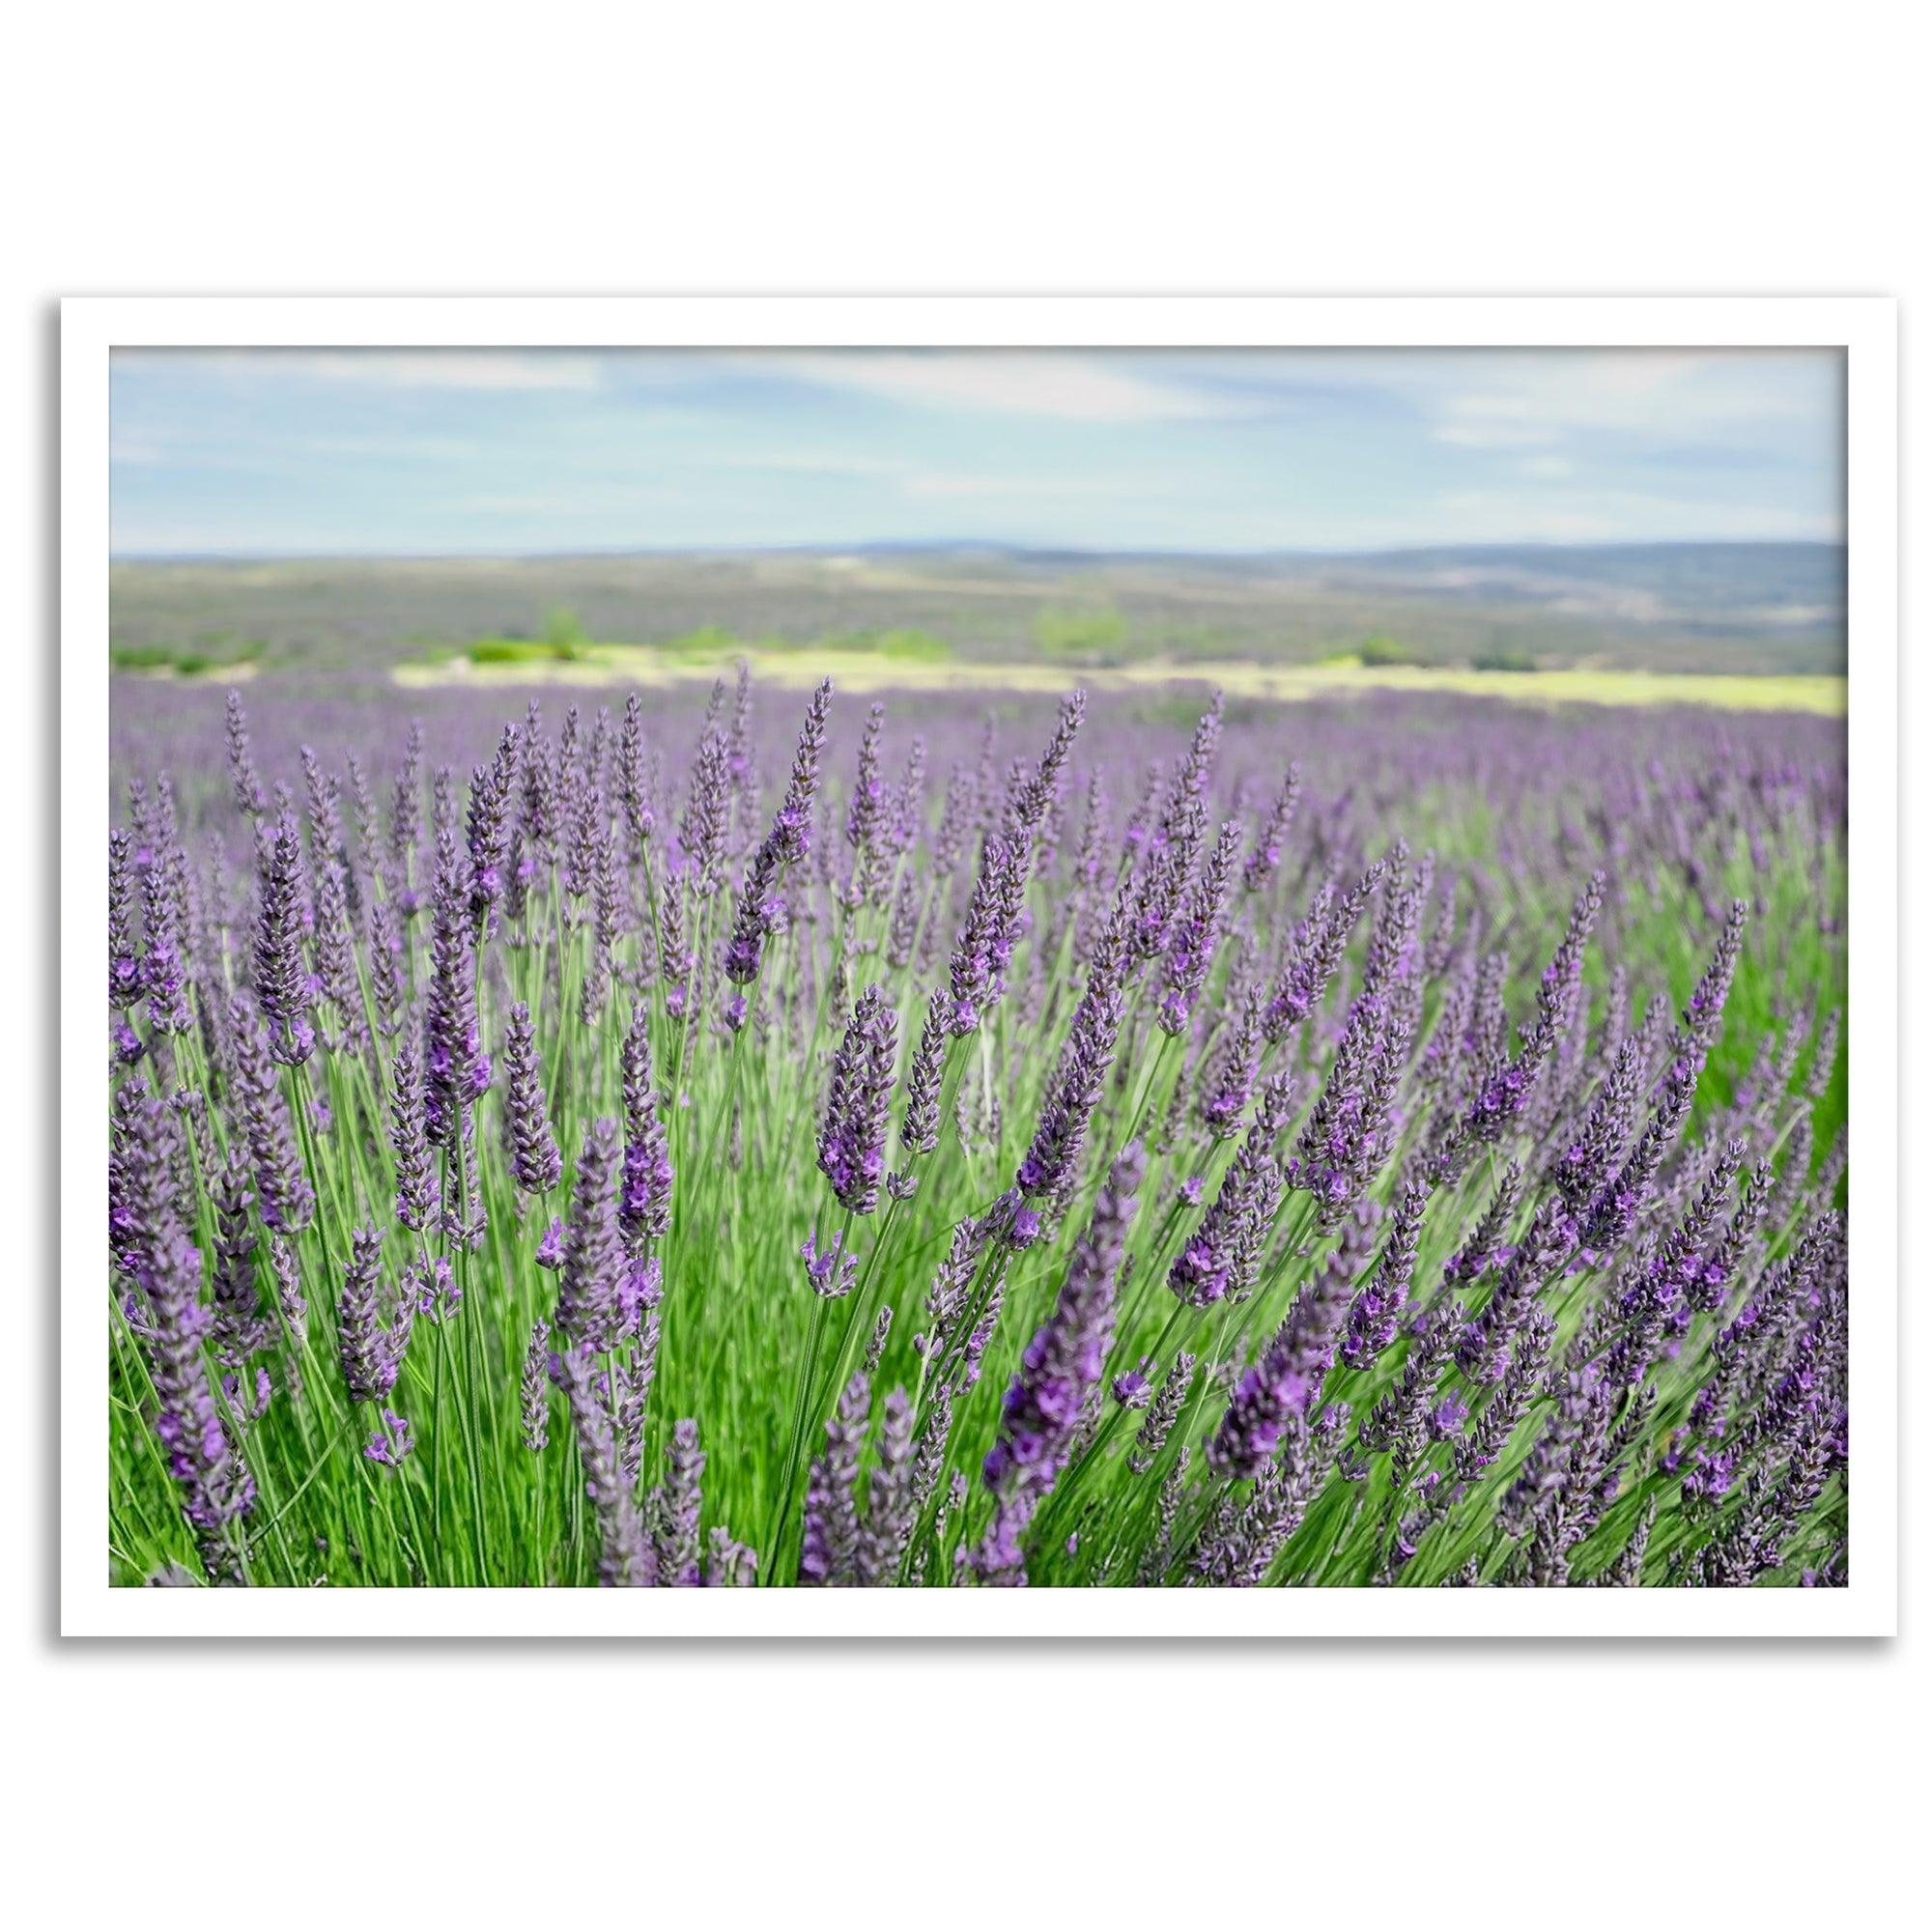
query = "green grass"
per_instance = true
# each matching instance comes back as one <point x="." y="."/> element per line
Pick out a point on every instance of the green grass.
<point x="215" y="653"/>
<point x="1380" y="653"/>
<point x="524" y="651"/>
<point x="1081" y="635"/>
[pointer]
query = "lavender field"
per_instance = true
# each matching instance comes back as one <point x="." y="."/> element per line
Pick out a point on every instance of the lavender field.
<point x="1150" y="1142"/>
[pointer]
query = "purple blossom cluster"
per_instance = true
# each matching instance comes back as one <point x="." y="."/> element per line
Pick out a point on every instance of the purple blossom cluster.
<point x="1250" y="1195"/>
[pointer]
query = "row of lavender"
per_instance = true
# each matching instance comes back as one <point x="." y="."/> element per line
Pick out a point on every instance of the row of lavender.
<point x="1053" y="1149"/>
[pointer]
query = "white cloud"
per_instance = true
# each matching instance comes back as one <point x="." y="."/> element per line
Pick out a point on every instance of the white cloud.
<point x="910" y="478"/>
<point x="1494" y="435"/>
<point x="1514" y="399"/>
<point x="1321" y="448"/>
<point x="807" y="461"/>
<point x="386" y="368"/>
<point x="952" y="483"/>
<point x="1066" y="386"/>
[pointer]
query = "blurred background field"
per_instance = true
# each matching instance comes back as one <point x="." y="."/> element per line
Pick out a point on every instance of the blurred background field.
<point x="1556" y="525"/>
<point x="1736" y="625"/>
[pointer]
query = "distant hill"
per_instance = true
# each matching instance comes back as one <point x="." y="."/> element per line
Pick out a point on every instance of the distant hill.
<point x="1729" y="587"/>
<point x="1735" y="607"/>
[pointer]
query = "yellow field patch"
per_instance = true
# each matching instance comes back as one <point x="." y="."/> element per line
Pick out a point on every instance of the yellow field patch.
<point x="606" y="665"/>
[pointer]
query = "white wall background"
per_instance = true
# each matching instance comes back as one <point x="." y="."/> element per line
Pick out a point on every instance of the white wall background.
<point x="1479" y="149"/>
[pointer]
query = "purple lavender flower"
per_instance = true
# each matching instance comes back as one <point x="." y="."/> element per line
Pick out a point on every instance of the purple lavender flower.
<point x="406" y="808"/>
<point x="432" y="1287"/>
<point x="1227" y="1079"/>
<point x="246" y="786"/>
<point x="1400" y="1421"/>
<point x="831" y="1270"/>
<point x="628" y="1559"/>
<point x="491" y="792"/>
<point x="281" y="1185"/>
<point x="392" y="1443"/>
<point x="786" y="845"/>
<point x="1048" y="1168"/>
<point x="1615" y="1208"/>
<point x="1516" y="1388"/>
<point x="240" y="1327"/>
<point x="1284" y="1383"/>
<point x="1061" y="1366"/>
<point x="889" y="1505"/>
<point x="865" y="809"/>
<point x="593" y="1251"/>
<point x="1265" y="859"/>
<point x="702" y="828"/>
<point x="1219" y="1258"/>
<point x="281" y="979"/>
<point x="919" y="1124"/>
<point x="409" y="1141"/>
<point x="165" y="923"/>
<point x="1347" y="1137"/>
<point x="607" y="916"/>
<point x="549" y="1247"/>
<point x="534" y="1157"/>
<point x="1376" y="1312"/>
<point x="829" y="1553"/>
<point x="456" y="1069"/>
<point x="1504" y="1092"/>
<point x="875" y="1347"/>
<point x="633" y="791"/>
<point x="852" y="1138"/>
<point x="215" y="1486"/>
<point x="1316" y="952"/>
<point x="1034" y="800"/>
<point x="644" y="1209"/>
<point x="1170" y="849"/>
<point x="385" y="956"/>
<point x="946" y="1299"/>
<point x="533" y="1389"/>
<point x="678" y="1541"/>
<point x="1192" y="936"/>
<point x="124" y="966"/>
<point x="372" y="1354"/>
<point x="979" y="958"/>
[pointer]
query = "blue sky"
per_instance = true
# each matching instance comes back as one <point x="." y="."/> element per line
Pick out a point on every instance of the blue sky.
<point x="433" y="451"/>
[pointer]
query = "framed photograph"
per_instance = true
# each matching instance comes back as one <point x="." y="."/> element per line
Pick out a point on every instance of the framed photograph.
<point x="980" y="967"/>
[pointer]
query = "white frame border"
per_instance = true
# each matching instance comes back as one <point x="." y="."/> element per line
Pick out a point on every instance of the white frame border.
<point x="1864" y="328"/>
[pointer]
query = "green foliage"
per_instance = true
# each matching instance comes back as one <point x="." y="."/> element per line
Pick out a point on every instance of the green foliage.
<point x="141" y="657"/>
<point x="521" y="650"/>
<point x="562" y="643"/>
<point x="213" y="652"/>
<point x="708" y="641"/>
<point x="1379" y="652"/>
<point x="910" y="646"/>
<point x="1502" y="657"/>
<point x="564" y="631"/>
<point x="1083" y="632"/>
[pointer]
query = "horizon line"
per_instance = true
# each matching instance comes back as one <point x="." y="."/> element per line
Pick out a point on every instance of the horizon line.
<point x="984" y="545"/>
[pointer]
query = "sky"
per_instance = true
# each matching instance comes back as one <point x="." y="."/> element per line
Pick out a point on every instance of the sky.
<point x="360" y="452"/>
